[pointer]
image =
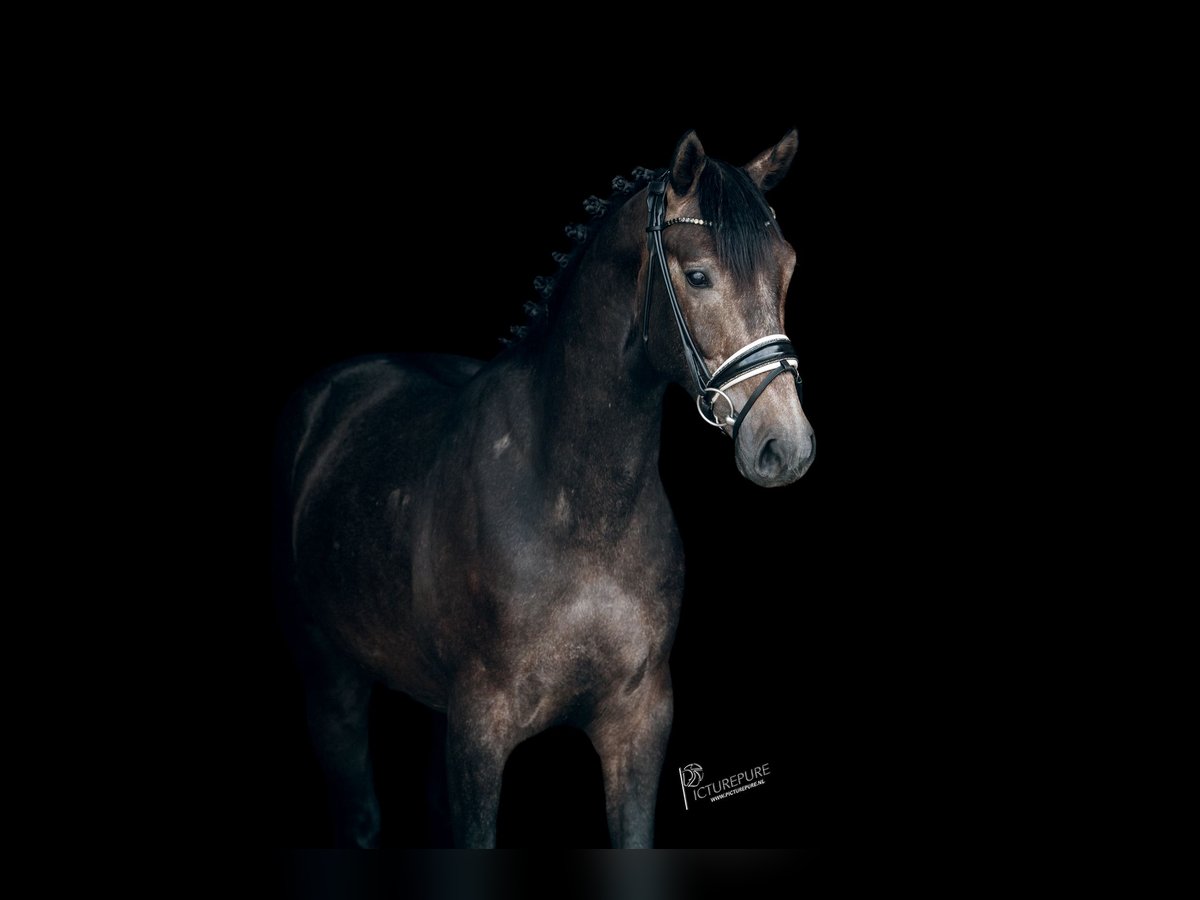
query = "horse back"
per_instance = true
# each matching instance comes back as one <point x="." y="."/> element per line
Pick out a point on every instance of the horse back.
<point x="395" y="394"/>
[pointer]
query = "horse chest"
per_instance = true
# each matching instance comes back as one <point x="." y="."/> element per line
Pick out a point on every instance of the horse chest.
<point x="596" y="624"/>
<point x="587" y="644"/>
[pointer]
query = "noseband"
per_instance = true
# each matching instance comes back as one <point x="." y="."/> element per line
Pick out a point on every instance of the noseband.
<point x="771" y="355"/>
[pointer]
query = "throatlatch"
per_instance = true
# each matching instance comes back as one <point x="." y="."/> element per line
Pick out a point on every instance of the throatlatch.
<point x="771" y="355"/>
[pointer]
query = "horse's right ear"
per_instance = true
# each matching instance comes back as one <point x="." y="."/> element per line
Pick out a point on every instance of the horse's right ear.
<point x="689" y="160"/>
<point x="768" y="168"/>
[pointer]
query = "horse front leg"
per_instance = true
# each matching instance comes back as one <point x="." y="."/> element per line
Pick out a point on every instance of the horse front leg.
<point x="479" y="738"/>
<point x="630" y="736"/>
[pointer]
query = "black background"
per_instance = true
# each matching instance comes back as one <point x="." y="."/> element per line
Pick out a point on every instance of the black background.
<point x="422" y="229"/>
<point x="886" y="637"/>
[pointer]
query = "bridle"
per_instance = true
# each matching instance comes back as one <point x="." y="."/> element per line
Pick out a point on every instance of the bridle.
<point x="771" y="355"/>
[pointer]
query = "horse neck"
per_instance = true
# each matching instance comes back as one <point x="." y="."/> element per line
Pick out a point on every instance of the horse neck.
<point x="601" y="399"/>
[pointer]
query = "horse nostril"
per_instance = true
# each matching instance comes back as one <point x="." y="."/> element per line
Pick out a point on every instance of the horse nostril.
<point x="770" y="459"/>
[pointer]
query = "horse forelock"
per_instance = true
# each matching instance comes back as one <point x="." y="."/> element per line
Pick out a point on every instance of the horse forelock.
<point x="744" y="221"/>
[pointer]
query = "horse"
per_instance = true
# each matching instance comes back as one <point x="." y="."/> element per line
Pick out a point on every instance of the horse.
<point x="494" y="539"/>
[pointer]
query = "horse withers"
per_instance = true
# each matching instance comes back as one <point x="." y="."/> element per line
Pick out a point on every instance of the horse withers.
<point x="494" y="539"/>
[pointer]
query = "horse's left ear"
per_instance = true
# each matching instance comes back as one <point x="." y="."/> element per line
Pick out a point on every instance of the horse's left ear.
<point x="689" y="160"/>
<point x="768" y="168"/>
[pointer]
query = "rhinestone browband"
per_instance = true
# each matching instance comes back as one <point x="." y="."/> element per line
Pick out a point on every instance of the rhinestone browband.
<point x="690" y="220"/>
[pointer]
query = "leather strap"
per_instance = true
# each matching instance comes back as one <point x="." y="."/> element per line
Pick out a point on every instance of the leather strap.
<point x="759" y="354"/>
<point x="656" y="202"/>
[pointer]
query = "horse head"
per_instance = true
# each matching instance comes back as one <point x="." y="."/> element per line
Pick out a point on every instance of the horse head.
<point x="715" y="280"/>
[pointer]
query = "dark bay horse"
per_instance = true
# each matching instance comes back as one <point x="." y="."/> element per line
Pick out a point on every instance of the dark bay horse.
<point x="494" y="539"/>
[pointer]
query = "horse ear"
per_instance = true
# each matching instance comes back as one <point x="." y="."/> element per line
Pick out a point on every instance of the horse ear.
<point x="768" y="168"/>
<point x="689" y="160"/>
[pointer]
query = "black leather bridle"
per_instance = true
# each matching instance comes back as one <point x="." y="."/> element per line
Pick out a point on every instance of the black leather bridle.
<point x="771" y="355"/>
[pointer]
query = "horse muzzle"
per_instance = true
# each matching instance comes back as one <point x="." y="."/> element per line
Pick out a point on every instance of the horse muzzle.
<point x="777" y="457"/>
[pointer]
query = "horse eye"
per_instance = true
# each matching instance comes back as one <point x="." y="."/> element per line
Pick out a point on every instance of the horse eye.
<point x="696" y="278"/>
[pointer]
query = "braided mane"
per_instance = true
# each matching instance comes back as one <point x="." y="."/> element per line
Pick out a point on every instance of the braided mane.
<point x="581" y="236"/>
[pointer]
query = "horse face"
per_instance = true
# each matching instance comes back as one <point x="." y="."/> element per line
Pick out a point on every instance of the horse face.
<point x="731" y="277"/>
